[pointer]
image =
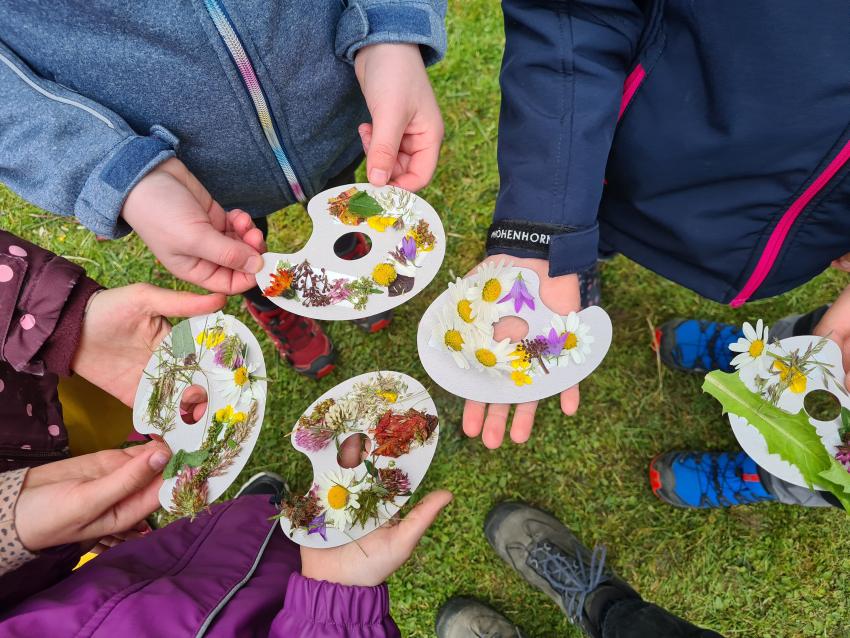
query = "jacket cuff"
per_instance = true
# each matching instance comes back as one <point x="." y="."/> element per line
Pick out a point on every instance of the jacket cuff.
<point x="569" y="250"/>
<point x="63" y="343"/>
<point x="100" y="201"/>
<point x="321" y="602"/>
<point x="366" y="22"/>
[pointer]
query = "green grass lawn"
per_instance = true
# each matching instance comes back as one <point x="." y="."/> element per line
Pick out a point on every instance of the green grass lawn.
<point x="751" y="571"/>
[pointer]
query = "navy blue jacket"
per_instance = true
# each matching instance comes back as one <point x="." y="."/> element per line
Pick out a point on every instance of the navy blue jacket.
<point x="708" y="141"/>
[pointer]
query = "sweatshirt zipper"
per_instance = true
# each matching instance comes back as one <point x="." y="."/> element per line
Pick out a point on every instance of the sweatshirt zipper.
<point x="227" y="30"/>
<point x="780" y="233"/>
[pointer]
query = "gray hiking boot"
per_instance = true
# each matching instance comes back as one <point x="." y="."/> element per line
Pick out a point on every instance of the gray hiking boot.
<point x="550" y="557"/>
<point x="468" y="618"/>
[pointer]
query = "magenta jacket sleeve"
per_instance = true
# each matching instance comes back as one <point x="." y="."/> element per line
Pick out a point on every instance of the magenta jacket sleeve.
<point x="43" y="299"/>
<point x="318" y="609"/>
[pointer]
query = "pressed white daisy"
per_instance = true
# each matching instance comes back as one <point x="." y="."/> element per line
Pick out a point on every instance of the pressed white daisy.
<point x="449" y="332"/>
<point x="488" y="355"/>
<point x="239" y="382"/>
<point x="338" y="495"/>
<point x="492" y="284"/>
<point x="459" y="303"/>
<point x="752" y="347"/>
<point x="578" y="338"/>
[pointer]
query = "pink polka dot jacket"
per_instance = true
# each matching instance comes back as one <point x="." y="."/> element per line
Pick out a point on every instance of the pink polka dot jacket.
<point x="230" y="572"/>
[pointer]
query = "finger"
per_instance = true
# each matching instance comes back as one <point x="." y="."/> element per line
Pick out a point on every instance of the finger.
<point x="842" y="263"/>
<point x="243" y="225"/>
<point x="523" y="421"/>
<point x="473" y="417"/>
<point x="133" y="478"/>
<point x="229" y="253"/>
<point x="388" y="124"/>
<point x="180" y="303"/>
<point x="422" y="164"/>
<point x="365" y="131"/>
<point x="494" y="425"/>
<point x="420" y="518"/>
<point x="570" y="400"/>
<point x="254" y="238"/>
<point x="350" y="452"/>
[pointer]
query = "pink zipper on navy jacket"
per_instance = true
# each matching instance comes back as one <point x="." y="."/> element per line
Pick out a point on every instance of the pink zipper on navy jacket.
<point x="780" y="233"/>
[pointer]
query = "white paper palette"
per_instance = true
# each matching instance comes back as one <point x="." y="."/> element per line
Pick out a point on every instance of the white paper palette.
<point x="414" y="464"/>
<point x="480" y="385"/>
<point x="217" y="381"/>
<point x="327" y="229"/>
<point x="752" y="441"/>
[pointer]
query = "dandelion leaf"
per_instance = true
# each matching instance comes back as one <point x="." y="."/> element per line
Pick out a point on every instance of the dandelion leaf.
<point x="181" y="459"/>
<point x="364" y="205"/>
<point x="182" y="343"/>
<point x="791" y="436"/>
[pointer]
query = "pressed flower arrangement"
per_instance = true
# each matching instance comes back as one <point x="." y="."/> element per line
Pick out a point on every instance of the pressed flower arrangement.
<point x="399" y="419"/>
<point x="219" y="353"/>
<point x="765" y="400"/>
<point x="408" y="246"/>
<point x="460" y="325"/>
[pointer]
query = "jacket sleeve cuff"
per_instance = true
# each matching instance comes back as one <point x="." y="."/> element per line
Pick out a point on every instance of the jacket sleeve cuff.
<point x="366" y="22"/>
<point x="323" y="603"/>
<point x="102" y="197"/>
<point x="13" y="554"/>
<point x="569" y="250"/>
<point x="63" y="343"/>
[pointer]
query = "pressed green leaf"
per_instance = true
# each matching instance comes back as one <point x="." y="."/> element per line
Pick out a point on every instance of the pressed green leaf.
<point x="181" y="459"/>
<point x="363" y="204"/>
<point x="845" y="423"/>
<point x="182" y="343"/>
<point x="791" y="436"/>
<point x="370" y="467"/>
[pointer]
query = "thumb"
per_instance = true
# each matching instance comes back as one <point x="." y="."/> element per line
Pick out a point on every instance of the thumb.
<point x="135" y="478"/>
<point x="215" y="246"/>
<point x="181" y="303"/>
<point x="388" y="126"/>
<point x="419" y="519"/>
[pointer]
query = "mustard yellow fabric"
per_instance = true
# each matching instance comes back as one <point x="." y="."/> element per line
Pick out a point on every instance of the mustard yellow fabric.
<point x="95" y="420"/>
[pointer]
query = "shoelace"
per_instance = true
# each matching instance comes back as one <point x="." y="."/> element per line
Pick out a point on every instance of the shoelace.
<point x="720" y="479"/>
<point x="569" y="576"/>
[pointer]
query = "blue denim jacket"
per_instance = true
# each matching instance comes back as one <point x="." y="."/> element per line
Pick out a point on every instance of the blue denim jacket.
<point x="257" y="97"/>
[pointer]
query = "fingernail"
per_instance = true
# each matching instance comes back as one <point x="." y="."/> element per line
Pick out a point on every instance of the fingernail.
<point x="378" y="176"/>
<point x="254" y="264"/>
<point x="158" y="461"/>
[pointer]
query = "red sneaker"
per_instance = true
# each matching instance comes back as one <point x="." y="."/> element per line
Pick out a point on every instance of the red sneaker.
<point x="301" y="341"/>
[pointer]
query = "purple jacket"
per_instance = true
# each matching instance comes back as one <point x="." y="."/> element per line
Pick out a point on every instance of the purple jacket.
<point x="228" y="573"/>
<point x="231" y="572"/>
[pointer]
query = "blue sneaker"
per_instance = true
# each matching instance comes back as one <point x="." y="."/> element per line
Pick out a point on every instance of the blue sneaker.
<point x="696" y="346"/>
<point x="706" y="479"/>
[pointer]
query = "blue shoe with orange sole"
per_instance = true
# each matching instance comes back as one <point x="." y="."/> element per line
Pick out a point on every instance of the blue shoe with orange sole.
<point x="706" y="479"/>
<point x="693" y="345"/>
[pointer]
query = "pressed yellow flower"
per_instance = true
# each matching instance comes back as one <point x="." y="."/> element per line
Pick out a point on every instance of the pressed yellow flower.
<point x="224" y="414"/>
<point x="571" y="341"/>
<point x="491" y="291"/>
<point x="520" y="378"/>
<point x="486" y="357"/>
<point x="380" y="223"/>
<point x="210" y="338"/>
<point x="384" y="274"/>
<point x="464" y="310"/>
<point x="797" y="383"/>
<point x="238" y="417"/>
<point x="519" y="358"/>
<point x="240" y="376"/>
<point x="337" y="497"/>
<point x="453" y="339"/>
<point x="386" y="395"/>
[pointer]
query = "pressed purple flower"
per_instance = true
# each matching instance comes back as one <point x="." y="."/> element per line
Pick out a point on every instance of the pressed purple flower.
<point x="843" y="457"/>
<point x="408" y="248"/>
<point x="318" y="526"/>
<point x="555" y="342"/>
<point x="313" y="438"/>
<point x="519" y="294"/>
<point x="338" y="290"/>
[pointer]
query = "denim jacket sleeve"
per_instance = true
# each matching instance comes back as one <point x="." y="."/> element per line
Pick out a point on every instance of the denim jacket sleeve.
<point x="562" y="77"/>
<point x="365" y="22"/>
<point x="68" y="154"/>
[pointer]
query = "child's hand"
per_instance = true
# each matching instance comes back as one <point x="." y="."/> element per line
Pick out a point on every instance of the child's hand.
<point x="123" y="326"/>
<point x="842" y="263"/>
<point x="836" y="325"/>
<point x="191" y="234"/>
<point x="402" y="143"/>
<point x="561" y="294"/>
<point x="89" y="497"/>
<point x="372" y="559"/>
